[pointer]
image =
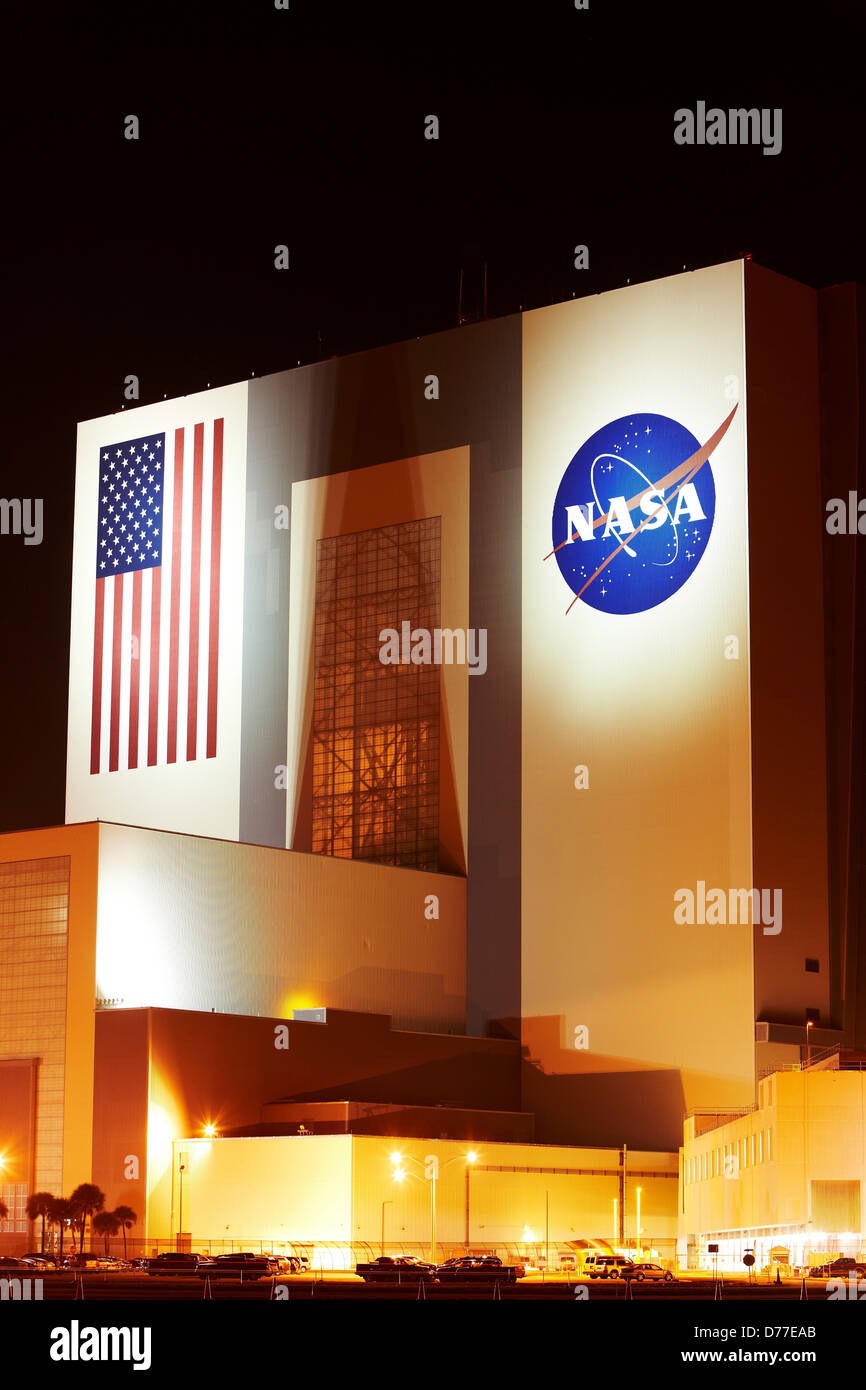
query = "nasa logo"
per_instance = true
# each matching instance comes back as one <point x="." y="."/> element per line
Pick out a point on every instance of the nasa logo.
<point x="634" y="512"/>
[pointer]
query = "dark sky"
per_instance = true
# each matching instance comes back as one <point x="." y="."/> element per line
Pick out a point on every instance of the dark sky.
<point x="305" y="127"/>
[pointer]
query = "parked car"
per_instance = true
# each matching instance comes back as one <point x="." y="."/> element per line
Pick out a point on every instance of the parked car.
<point x="243" y="1264"/>
<point x="394" y="1269"/>
<point x="652" y="1271"/>
<point x="80" y="1262"/>
<point x="171" y="1262"/>
<point x="40" y="1261"/>
<point x="838" y="1268"/>
<point x="300" y="1264"/>
<point x="608" y="1267"/>
<point x="10" y="1265"/>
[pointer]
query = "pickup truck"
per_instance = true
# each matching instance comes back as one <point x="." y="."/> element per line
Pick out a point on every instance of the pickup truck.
<point x="241" y="1265"/>
<point x="396" y="1269"/>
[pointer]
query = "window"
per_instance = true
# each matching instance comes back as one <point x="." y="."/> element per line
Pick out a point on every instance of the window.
<point x="375" y="726"/>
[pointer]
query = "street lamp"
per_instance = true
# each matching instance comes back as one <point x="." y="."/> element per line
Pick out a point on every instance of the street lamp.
<point x="388" y="1203"/>
<point x="471" y="1158"/>
<point x="431" y="1175"/>
<point x="181" y="1170"/>
<point x="810" y="1023"/>
<point x="638" y="1230"/>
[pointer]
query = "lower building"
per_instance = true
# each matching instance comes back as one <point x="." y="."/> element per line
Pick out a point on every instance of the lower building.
<point x="783" y="1180"/>
<point x="341" y="1198"/>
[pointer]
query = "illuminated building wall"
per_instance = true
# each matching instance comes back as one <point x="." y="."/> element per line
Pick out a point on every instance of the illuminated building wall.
<point x="47" y="951"/>
<point x="253" y="1185"/>
<point x="664" y="736"/>
<point x="790" y="1173"/>
<point x="187" y="923"/>
<point x="34" y="907"/>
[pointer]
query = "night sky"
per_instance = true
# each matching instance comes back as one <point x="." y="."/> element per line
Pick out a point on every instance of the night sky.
<point x="306" y="127"/>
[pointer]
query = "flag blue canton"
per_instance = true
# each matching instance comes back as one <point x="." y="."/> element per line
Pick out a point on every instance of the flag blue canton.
<point x="129" y="525"/>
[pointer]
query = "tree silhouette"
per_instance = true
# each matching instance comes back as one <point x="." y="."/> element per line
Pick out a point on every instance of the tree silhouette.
<point x="105" y="1224"/>
<point x="60" y="1213"/>
<point x="39" y="1205"/>
<point x="127" y="1217"/>
<point x="4" y="1211"/>
<point x="85" y="1200"/>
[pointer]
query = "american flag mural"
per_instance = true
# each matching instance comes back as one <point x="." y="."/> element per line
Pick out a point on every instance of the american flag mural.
<point x="156" y="612"/>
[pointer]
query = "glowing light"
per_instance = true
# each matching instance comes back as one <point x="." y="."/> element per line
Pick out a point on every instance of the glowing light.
<point x="528" y="1236"/>
<point x="210" y="1131"/>
<point x="396" y="1159"/>
<point x="472" y="1156"/>
<point x="300" y="999"/>
<point x="399" y="1174"/>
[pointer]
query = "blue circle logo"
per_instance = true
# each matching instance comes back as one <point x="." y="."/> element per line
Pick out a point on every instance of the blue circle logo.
<point x="634" y="512"/>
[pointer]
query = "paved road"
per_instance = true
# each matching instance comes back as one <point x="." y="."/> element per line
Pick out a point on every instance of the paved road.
<point x="99" y="1287"/>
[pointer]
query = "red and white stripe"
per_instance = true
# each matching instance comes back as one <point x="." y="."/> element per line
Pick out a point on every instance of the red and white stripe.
<point x="156" y="632"/>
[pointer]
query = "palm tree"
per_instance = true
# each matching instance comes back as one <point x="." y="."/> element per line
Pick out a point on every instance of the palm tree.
<point x="127" y="1217"/>
<point x="39" y="1205"/>
<point x="105" y="1224"/>
<point x="4" y="1211"/>
<point x="59" y="1215"/>
<point x="86" y="1200"/>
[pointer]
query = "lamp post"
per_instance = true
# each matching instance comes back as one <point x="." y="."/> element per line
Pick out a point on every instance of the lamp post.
<point x="809" y="1024"/>
<point x="181" y="1170"/>
<point x="546" y="1232"/>
<point x="471" y="1158"/>
<point x="615" y="1223"/>
<point x="637" y="1234"/>
<point x="431" y="1175"/>
<point x="385" y="1204"/>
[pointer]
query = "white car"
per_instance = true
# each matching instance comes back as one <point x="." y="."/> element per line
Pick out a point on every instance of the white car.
<point x="608" y="1266"/>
